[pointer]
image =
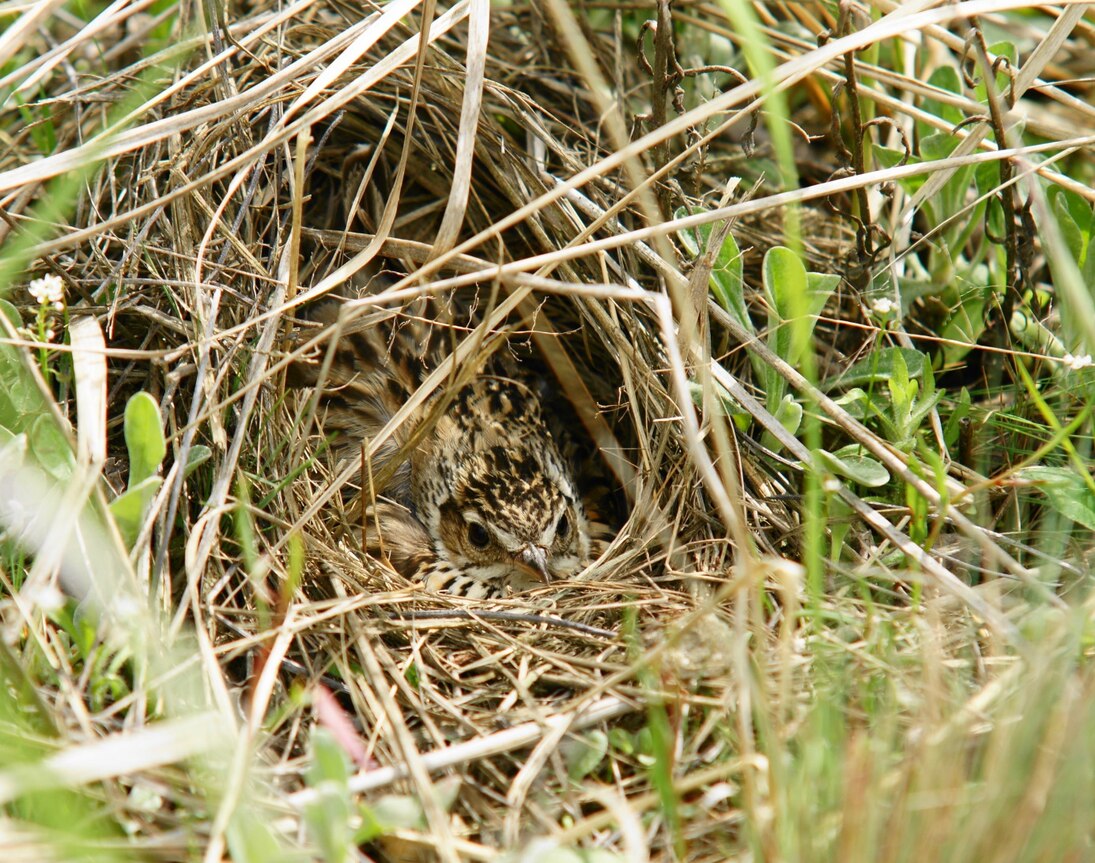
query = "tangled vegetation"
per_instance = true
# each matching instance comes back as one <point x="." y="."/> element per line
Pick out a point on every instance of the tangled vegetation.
<point x="815" y="284"/>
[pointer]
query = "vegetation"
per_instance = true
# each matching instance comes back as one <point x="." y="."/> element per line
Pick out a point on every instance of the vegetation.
<point x="815" y="281"/>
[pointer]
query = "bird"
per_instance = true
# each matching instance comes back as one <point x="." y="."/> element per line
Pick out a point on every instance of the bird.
<point x="474" y="495"/>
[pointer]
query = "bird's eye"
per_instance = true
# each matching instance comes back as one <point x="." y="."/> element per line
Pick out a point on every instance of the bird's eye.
<point x="477" y="535"/>
<point x="562" y="526"/>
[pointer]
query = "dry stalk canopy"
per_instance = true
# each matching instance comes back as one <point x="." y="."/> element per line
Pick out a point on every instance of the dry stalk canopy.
<point x="501" y="181"/>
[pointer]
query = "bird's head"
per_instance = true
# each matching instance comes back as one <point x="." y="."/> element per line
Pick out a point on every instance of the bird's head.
<point x="513" y="516"/>
<point x="495" y="493"/>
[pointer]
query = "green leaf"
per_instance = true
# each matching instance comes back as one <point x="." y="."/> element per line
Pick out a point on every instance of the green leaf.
<point x="584" y="754"/>
<point x="1067" y="491"/>
<point x="724" y="403"/>
<point x="964" y="326"/>
<point x="11" y="313"/>
<point x="728" y="284"/>
<point x="855" y="402"/>
<point x="789" y="414"/>
<point x="328" y="813"/>
<point x="922" y="407"/>
<point x="329" y="762"/>
<point x="144" y="438"/>
<point x="252" y="839"/>
<point x="899" y="373"/>
<point x="840" y="518"/>
<point x="369" y="828"/>
<point x="726" y="279"/>
<point x="903" y="390"/>
<point x="1002" y="81"/>
<point x="691" y="238"/>
<point x="21" y="401"/>
<point x="821" y="287"/>
<point x="795" y="298"/>
<point x="890" y="158"/>
<point x="621" y="741"/>
<point x="879" y="367"/>
<point x="1034" y="335"/>
<point x="130" y="506"/>
<point x="77" y="626"/>
<point x="1075" y="219"/>
<point x="850" y="463"/>
<point x="328" y="818"/>
<point x="952" y="197"/>
<point x="199" y="455"/>
<point x="786" y="287"/>
<point x="52" y="448"/>
<point x="959" y="412"/>
<point x="1079" y="209"/>
<point x="398" y="812"/>
<point x="944" y="78"/>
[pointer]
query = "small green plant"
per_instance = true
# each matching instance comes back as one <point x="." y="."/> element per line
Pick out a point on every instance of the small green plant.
<point x="22" y="402"/>
<point x="32" y="430"/>
<point x="902" y="398"/>
<point x="337" y="825"/>
<point x="147" y="447"/>
<point x="328" y="814"/>
<point x="893" y="391"/>
<point x="794" y="298"/>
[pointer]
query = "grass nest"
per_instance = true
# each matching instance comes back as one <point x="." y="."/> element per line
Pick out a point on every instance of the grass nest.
<point x="297" y="153"/>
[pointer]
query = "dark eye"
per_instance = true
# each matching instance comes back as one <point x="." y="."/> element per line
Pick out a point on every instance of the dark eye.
<point x="477" y="535"/>
<point x="562" y="527"/>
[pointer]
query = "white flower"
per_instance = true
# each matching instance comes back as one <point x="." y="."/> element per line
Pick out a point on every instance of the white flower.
<point x="883" y="306"/>
<point x="831" y="485"/>
<point x="48" y="289"/>
<point x="1077" y="363"/>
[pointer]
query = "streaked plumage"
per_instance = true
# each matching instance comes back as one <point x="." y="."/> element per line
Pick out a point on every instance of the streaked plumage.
<point x="478" y="503"/>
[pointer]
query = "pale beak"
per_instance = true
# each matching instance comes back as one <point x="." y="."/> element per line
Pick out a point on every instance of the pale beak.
<point x="535" y="558"/>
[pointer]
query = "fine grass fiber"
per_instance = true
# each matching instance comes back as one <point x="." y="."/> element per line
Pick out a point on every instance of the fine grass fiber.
<point x="810" y="286"/>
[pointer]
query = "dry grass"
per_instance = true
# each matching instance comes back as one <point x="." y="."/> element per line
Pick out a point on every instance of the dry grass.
<point x="294" y="152"/>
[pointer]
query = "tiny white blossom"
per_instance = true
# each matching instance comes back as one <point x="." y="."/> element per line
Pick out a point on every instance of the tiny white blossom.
<point x="1077" y="363"/>
<point x="883" y="306"/>
<point x="48" y="289"/>
<point x="831" y="485"/>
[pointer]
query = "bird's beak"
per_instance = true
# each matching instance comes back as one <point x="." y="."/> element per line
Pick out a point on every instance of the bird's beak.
<point x="535" y="558"/>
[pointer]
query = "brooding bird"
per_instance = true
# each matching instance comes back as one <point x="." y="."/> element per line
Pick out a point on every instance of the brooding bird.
<point x="482" y="500"/>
